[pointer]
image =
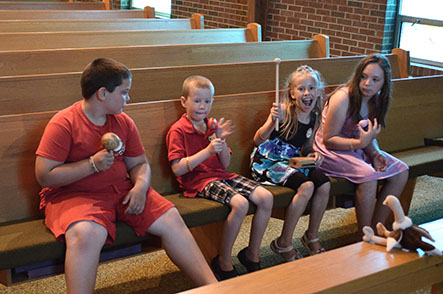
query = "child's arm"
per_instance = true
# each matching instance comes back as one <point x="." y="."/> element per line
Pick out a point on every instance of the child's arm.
<point x="52" y="174"/>
<point x="263" y="133"/>
<point x="184" y="165"/>
<point x="140" y="175"/>
<point x="335" y="119"/>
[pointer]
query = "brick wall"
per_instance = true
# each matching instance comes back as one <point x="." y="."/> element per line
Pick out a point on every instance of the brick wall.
<point x="422" y="70"/>
<point x="217" y="13"/>
<point x="355" y="27"/>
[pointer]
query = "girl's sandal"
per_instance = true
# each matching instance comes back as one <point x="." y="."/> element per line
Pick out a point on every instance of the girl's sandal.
<point x="278" y="250"/>
<point x="307" y="243"/>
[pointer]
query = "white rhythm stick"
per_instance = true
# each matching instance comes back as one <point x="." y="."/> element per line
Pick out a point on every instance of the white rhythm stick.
<point x="277" y="92"/>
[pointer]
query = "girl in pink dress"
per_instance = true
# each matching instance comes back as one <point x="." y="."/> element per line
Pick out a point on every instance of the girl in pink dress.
<point x="352" y="118"/>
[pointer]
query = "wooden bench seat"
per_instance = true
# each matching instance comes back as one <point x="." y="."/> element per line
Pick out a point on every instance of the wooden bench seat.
<point x="57" y="91"/>
<point x="39" y="5"/>
<point x="53" y="40"/>
<point x="21" y="134"/>
<point x="120" y="24"/>
<point x="74" y="14"/>
<point x="358" y="268"/>
<point x="25" y="62"/>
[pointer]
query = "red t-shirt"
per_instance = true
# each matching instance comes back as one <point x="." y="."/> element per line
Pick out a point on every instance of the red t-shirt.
<point x="70" y="136"/>
<point x="184" y="140"/>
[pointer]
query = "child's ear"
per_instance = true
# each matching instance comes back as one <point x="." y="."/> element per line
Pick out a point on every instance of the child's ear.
<point x="183" y="101"/>
<point x="101" y="93"/>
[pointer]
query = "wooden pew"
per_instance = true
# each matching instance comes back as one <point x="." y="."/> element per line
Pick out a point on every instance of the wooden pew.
<point x="356" y="268"/>
<point x="123" y="24"/>
<point x="38" y="5"/>
<point x="53" y="40"/>
<point x="57" y="91"/>
<point x="73" y="14"/>
<point x="24" y="239"/>
<point x="24" y="62"/>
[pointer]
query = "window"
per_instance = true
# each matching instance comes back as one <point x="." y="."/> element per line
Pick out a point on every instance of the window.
<point x="420" y="30"/>
<point x="162" y="7"/>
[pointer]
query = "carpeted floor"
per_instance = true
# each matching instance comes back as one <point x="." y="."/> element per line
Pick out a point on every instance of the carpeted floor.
<point x="154" y="272"/>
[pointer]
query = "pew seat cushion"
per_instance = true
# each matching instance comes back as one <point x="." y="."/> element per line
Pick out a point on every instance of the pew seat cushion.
<point x="30" y="242"/>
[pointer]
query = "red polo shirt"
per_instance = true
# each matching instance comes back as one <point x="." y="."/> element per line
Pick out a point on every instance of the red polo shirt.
<point x="184" y="140"/>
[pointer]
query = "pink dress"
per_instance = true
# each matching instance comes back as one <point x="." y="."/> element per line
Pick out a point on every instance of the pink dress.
<point x="353" y="165"/>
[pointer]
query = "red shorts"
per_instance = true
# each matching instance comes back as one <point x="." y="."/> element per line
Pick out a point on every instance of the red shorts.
<point x="104" y="209"/>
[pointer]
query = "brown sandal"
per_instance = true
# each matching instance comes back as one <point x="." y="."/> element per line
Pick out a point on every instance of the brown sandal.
<point x="306" y="242"/>
<point x="278" y="250"/>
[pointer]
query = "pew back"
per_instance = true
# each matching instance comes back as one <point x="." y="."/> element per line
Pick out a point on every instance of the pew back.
<point x="52" y="40"/>
<point x="38" y="5"/>
<point x="416" y="102"/>
<point x="56" y="91"/>
<point x="21" y="134"/>
<point x="123" y="24"/>
<point x="71" y="14"/>
<point x="25" y="62"/>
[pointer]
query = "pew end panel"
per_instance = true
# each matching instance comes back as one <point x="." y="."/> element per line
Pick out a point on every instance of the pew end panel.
<point x="149" y="12"/>
<point x="197" y="20"/>
<point x="404" y="62"/>
<point x="322" y="50"/>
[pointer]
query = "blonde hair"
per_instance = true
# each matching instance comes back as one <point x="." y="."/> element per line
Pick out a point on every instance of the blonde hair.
<point x="290" y="120"/>
<point x="198" y="82"/>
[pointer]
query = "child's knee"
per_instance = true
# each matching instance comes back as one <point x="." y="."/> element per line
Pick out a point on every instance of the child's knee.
<point x="172" y="218"/>
<point x="325" y="188"/>
<point x="239" y="205"/>
<point x="86" y="234"/>
<point x="263" y="198"/>
<point x="306" y="190"/>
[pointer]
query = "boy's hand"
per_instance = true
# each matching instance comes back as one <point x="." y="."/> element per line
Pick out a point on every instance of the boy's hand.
<point x="216" y="146"/>
<point x="224" y="128"/>
<point x="137" y="201"/>
<point x="366" y="136"/>
<point x="103" y="159"/>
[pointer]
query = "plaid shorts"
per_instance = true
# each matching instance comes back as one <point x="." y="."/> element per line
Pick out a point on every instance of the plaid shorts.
<point x="223" y="190"/>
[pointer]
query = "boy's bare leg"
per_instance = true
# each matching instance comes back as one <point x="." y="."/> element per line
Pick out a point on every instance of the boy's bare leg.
<point x="392" y="186"/>
<point x="181" y="247"/>
<point x="264" y="200"/>
<point x="293" y="213"/>
<point x="84" y="241"/>
<point x="318" y="207"/>
<point x="364" y="204"/>
<point x="239" y="207"/>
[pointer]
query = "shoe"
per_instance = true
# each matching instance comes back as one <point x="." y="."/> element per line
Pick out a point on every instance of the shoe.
<point x="250" y="266"/>
<point x="278" y="250"/>
<point x="219" y="273"/>
<point x="306" y="242"/>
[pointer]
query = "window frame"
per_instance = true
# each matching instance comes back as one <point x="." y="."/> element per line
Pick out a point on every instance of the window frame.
<point x="415" y="20"/>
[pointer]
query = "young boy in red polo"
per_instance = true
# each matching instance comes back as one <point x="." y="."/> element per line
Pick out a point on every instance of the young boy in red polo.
<point x="199" y="156"/>
<point x="87" y="188"/>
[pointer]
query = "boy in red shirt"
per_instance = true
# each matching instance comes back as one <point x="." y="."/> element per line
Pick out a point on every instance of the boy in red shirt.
<point x="87" y="188"/>
<point x="199" y="157"/>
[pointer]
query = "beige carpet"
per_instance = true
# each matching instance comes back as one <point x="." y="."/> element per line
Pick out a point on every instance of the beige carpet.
<point x="154" y="273"/>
